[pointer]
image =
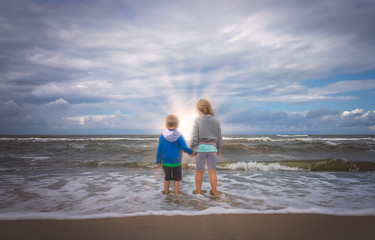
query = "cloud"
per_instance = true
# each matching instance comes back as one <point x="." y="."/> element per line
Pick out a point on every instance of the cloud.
<point x="357" y="119"/>
<point x="320" y="112"/>
<point x="314" y="121"/>
<point x="55" y="59"/>
<point x="344" y="86"/>
<point x="116" y="121"/>
<point x="9" y="109"/>
<point x="355" y="113"/>
<point x="59" y="104"/>
<point x="87" y="62"/>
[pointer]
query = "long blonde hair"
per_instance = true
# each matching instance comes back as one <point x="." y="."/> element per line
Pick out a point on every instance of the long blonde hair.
<point x="204" y="106"/>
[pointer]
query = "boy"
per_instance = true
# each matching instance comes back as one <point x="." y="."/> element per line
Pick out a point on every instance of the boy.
<point x="169" y="154"/>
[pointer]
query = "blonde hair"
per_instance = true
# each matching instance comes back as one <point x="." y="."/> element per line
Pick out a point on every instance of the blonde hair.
<point x="204" y="106"/>
<point x="171" y="121"/>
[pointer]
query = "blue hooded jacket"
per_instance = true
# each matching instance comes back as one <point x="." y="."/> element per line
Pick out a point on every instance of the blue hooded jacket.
<point x="171" y="142"/>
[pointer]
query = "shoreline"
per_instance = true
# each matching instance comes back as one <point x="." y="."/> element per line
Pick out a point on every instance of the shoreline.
<point x="226" y="226"/>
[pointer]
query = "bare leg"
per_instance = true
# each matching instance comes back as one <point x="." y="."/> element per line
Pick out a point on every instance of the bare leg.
<point x="213" y="181"/>
<point x="176" y="187"/>
<point x="166" y="187"/>
<point x="198" y="181"/>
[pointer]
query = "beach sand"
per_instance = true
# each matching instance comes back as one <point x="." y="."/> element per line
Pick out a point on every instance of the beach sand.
<point x="240" y="226"/>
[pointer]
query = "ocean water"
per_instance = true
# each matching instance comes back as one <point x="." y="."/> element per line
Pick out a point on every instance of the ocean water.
<point x="81" y="177"/>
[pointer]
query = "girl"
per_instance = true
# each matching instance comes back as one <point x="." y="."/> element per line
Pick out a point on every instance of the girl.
<point x="207" y="140"/>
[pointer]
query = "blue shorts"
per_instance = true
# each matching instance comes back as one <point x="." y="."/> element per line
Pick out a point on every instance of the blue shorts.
<point x="211" y="158"/>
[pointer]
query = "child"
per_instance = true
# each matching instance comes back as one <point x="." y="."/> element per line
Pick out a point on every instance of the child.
<point x="169" y="154"/>
<point x="208" y="141"/>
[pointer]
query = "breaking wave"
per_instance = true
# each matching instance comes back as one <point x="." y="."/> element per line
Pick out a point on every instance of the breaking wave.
<point x="326" y="165"/>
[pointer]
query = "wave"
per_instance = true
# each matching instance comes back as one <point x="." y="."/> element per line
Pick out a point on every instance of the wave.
<point x="35" y="158"/>
<point x="328" y="165"/>
<point x="268" y="138"/>
<point x="298" y="145"/>
<point x="205" y="212"/>
<point x="324" y="165"/>
<point x="256" y="166"/>
<point x="96" y="164"/>
<point x="302" y="138"/>
<point x="72" y="139"/>
<point x="249" y="139"/>
<point x="292" y="135"/>
<point x="332" y="139"/>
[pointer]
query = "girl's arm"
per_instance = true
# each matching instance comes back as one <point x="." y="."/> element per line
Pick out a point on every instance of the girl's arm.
<point x="220" y="139"/>
<point x="195" y="135"/>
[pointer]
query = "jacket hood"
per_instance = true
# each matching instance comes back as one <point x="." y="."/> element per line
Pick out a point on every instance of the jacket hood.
<point x="171" y="135"/>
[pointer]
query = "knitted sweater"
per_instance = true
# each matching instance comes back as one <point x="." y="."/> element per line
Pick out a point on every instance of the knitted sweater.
<point x="207" y="130"/>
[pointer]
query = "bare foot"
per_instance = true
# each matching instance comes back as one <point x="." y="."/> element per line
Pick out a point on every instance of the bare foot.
<point x="216" y="193"/>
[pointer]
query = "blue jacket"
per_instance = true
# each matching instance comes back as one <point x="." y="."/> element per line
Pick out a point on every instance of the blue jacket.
<point x="169" y="150"/>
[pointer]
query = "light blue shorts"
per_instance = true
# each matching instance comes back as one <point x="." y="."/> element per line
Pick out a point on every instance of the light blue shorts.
<point x="211" y="158"/>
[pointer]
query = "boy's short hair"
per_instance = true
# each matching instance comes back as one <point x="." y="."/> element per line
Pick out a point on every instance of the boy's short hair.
<point x="171" y="121"/>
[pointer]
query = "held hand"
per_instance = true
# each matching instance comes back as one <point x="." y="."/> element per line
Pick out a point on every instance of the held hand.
<point x="219" y="153"/>
<point x="193" y="154"/>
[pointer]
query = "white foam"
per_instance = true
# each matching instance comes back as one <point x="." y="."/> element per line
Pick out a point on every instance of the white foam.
<point x="302" y="138"/>
<point x="331" y="139"/>
<point x="264" y="139"/>
<point x="35" y="158"/>
<point x="129" y="192"/>
<point x="292" y="135"/>
<point x="255" y="166"/>
<point x="208" y="211"/>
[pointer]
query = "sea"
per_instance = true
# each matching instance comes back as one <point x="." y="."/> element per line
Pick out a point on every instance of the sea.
<point x="108" y="176"/>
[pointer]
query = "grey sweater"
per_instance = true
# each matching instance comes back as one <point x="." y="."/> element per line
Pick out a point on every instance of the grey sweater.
<point x="207" y="130"/>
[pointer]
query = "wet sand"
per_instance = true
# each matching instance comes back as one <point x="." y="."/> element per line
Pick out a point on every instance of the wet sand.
<point x="232" y="226"/>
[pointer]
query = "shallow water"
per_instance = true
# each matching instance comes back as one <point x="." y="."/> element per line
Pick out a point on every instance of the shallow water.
<point x="67" y="177"/>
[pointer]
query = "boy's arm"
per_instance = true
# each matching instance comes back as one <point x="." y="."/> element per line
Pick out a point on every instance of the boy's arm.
<point x="184" y="147"/>
<point x="158" y="155"/>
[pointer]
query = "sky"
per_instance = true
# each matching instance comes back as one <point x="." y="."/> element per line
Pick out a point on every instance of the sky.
<point x="120" y="67"/>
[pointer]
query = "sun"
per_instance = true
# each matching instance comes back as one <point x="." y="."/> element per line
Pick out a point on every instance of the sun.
<point x="186" y="118"/>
